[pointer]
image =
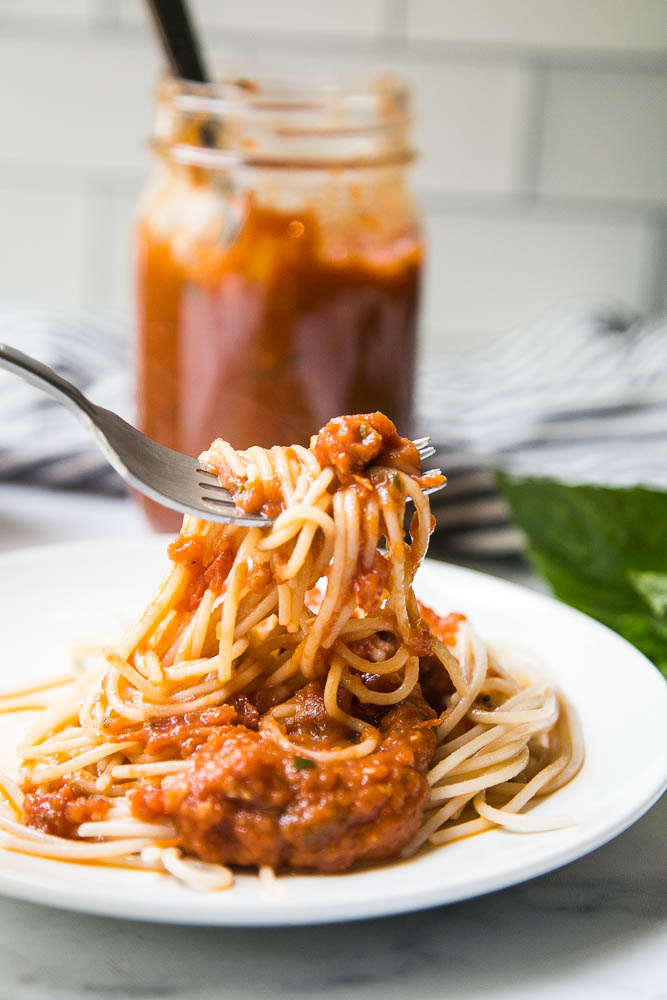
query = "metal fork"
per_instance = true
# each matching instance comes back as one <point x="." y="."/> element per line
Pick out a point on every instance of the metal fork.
<point x="169" y="477"/>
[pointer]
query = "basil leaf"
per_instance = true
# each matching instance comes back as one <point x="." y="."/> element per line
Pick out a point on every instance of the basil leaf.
<point x="602" y="549"/>
<point x="303" y="763"/>
<point x="653" y="588"/>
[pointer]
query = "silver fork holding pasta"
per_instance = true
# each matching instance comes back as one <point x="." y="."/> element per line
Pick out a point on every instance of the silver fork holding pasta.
<point x="167" y="476"/>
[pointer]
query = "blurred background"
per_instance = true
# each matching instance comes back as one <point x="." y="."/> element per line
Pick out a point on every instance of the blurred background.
<point x="542" y="129"/>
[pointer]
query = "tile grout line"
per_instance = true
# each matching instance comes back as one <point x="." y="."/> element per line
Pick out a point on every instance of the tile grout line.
<point x="394" y="21"/>
<point x="529" y="154"/>
<point x="29" y="176"/>
<point x="571" y="208"/>
<point x="98" y="262"/>
<point x="653" y="278"/>
<point x="106" y="15"/>
<point x="417" y="50"/>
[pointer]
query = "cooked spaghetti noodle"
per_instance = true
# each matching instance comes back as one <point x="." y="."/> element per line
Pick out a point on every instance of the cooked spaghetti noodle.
<point x="284" y="701"/>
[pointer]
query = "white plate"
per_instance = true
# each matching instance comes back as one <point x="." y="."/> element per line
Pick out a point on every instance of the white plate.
<point x="56" y="598"/>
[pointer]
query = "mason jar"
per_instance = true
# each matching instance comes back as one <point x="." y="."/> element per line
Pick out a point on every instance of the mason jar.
<point x="279" y="260"/>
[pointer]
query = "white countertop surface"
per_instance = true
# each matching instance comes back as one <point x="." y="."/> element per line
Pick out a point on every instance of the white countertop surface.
<point x="595" y="929"/>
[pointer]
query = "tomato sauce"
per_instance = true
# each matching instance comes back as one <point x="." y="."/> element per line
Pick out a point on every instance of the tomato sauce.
<point x="249" y="801"/>
<point x="188" y="551"/>
<point x="266" y="337"/>
<point x="61" y="809"/>
<point x="351" y="443"/>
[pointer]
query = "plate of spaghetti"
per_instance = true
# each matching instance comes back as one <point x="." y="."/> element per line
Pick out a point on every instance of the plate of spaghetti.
<point x="309" y="720"/>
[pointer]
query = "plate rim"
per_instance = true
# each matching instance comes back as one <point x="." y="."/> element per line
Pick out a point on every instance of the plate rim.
<point x="36" y="887"/>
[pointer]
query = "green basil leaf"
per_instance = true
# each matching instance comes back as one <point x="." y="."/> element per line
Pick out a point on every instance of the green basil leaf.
<point x="653" y="588"/>
<point x="303" y="763"/>
<point x="602" y="549"/>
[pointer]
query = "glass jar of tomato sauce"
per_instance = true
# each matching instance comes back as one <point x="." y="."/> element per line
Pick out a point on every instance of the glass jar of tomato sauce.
<point x="278" y="266"/>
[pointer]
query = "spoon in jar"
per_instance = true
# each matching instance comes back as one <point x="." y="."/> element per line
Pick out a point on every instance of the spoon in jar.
<point x="183" y="52"/>
<point x="179" y="42"/>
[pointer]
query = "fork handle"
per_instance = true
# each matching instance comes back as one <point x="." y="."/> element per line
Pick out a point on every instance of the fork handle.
<point x="44" y="378"/>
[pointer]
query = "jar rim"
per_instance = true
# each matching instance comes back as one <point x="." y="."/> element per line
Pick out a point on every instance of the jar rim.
<point x="383" y="96"/>
<point x="370" y="121"/>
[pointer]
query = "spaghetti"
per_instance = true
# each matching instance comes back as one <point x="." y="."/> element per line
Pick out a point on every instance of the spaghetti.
<point x="284" y="701"/>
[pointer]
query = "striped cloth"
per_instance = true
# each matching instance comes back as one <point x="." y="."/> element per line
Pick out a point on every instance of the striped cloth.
<point x="580" y="396"/>
<point x="41" y="442"/>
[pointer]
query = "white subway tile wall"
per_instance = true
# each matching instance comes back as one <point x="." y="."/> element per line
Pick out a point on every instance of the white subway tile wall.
<point x="541" y="124"/>
<point x="533" y="262"/>
<point x="44" y="240"/>
<point x="84" y="104"/>
<point x="52" y="9"/>
<point x="285" y="16"/>
<point x="470" y="125"/>
<point x="605" y="135"/>
<point x="120" y="287"/>
<point x="594" y="25"/>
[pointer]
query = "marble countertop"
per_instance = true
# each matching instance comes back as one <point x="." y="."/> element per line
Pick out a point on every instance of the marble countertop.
<point x="595" y="929"/>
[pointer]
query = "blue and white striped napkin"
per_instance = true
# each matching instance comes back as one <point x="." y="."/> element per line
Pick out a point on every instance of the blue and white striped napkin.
<point x="580" y="396"/>
<point x="41" y="442"/>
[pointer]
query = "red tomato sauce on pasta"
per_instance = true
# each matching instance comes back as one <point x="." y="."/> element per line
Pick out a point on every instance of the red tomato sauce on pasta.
<point x="249" y="801"/>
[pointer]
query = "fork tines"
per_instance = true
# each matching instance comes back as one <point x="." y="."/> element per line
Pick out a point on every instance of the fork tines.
<point x="215" y="494"/>
<point x="209" y="481"/>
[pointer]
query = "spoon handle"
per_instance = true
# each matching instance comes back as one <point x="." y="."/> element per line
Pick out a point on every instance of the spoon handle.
<point x="174" y="26"/>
